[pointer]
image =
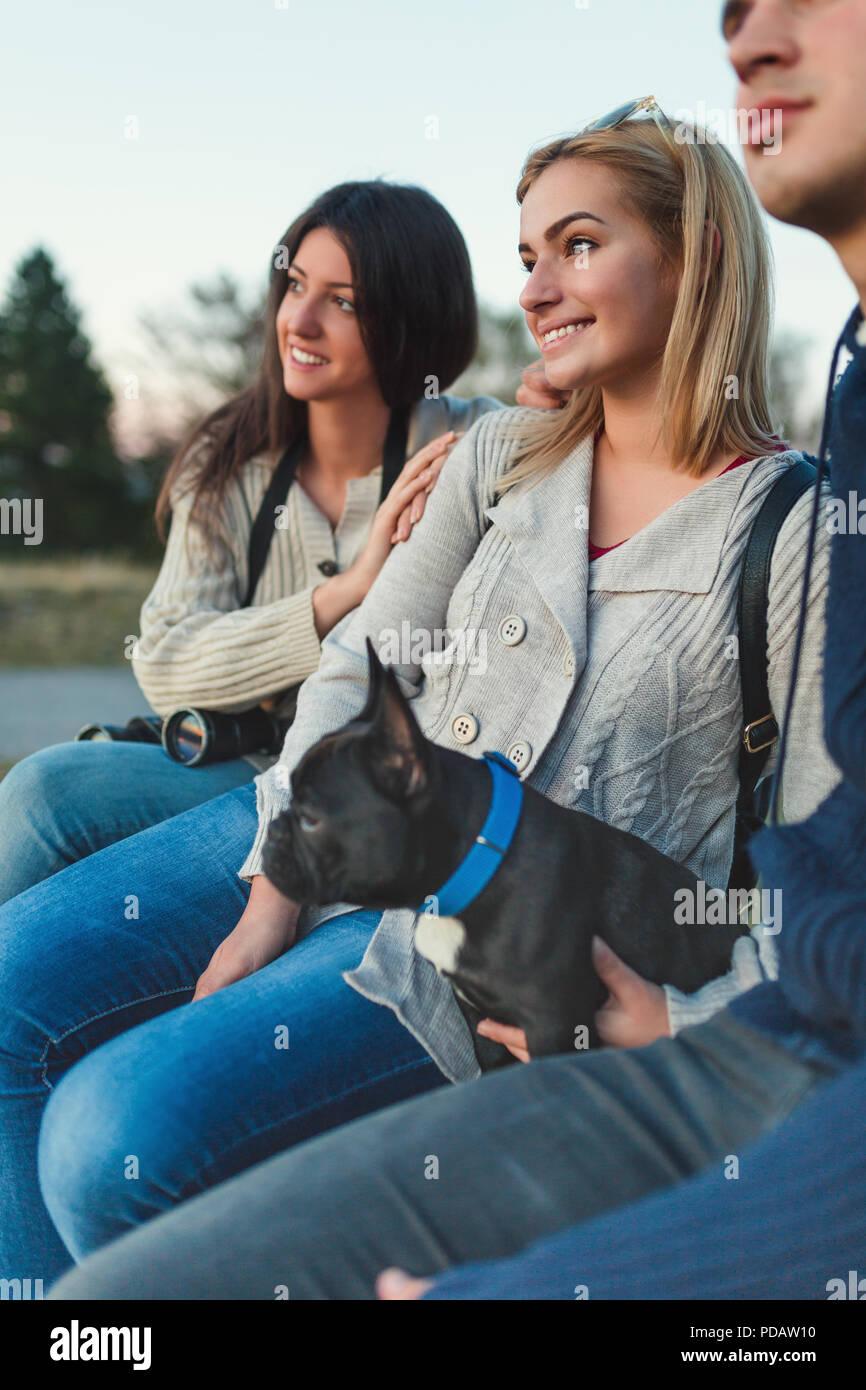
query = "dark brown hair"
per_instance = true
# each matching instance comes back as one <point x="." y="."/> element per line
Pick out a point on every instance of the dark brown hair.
<point x="417" y="316"/>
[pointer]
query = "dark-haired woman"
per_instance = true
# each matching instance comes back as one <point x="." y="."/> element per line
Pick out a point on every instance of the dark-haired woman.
<point x="371" y="314"/>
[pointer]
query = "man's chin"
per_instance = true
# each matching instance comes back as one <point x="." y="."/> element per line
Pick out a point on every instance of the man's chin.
<point x="796" y="192"/>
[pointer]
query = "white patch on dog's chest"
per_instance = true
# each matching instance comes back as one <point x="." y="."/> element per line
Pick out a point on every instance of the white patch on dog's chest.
<point x="440" y="940"/>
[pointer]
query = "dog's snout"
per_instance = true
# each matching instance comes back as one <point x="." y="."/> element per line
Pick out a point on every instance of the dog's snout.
<point x="279" y="860"/>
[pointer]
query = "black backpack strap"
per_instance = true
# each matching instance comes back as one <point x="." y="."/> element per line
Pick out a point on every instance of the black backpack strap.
<point x="394" y="453"/>
<point x="262" y="533"/>
<point x="263" y="527"/>
<point x="760" y="727"/>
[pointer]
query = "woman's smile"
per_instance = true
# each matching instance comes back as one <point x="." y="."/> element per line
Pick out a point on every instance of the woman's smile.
<point x="555" y="337"/>
<point x="304" y="360"/>
<point x="589" y="270"/>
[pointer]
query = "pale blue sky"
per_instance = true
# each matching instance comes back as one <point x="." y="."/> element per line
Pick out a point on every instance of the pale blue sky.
<point x="248" y="108"/>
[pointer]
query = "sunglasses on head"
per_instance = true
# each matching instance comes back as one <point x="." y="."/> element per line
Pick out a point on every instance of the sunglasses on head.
<point x="632" y="108"/>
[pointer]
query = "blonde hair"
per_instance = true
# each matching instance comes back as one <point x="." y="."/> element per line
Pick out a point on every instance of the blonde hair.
<point x="713" y="387"/>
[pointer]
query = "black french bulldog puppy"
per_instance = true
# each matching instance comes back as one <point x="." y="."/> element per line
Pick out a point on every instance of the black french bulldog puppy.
<point x="382" y="817"/>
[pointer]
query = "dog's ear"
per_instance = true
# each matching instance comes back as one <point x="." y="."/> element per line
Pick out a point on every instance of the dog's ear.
<point x="375" y="680"/>
<point x="397" y="749"/>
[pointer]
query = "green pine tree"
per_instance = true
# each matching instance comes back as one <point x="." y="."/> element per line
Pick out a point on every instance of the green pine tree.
<point x="55" y="442"/>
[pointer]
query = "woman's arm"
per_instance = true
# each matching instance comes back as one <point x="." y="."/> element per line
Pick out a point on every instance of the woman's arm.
<point x="460" y="414"/>
<point x="198" y="646"/>
<point x="414" y="586"/>
<point x="753" y="961"/>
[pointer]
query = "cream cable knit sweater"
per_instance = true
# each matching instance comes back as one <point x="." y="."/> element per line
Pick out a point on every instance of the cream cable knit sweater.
<point x="198" y="647"/>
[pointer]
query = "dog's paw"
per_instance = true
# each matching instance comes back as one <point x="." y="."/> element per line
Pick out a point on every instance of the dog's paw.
<point x="440" y="940"/>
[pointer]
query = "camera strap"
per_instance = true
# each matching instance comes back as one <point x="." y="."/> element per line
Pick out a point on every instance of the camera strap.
<point x="261" y="535"/>
<point x="265" y="523"/>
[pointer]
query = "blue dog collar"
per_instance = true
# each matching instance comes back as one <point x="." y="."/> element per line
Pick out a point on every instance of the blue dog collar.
<point x="491" y="845"/>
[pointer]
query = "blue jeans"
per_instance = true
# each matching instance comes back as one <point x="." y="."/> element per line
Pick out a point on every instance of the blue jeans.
<point x="133" y="1098"/>
<point x="609" y="1169"/>
<point x="72" y="799"/>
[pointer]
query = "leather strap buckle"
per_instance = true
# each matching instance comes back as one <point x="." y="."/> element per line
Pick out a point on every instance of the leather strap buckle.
<point x="747" y="734"/>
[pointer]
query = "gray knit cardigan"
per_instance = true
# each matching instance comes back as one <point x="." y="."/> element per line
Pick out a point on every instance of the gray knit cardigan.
<point x="621" y="694"/>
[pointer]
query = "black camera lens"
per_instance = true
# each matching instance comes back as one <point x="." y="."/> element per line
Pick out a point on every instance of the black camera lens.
<point x="98" y="733"/>
<point x="196" y="736"/>
<point x="191" y="735"/>
<point x="142" y="728"/>
<point x="187" y="736"/>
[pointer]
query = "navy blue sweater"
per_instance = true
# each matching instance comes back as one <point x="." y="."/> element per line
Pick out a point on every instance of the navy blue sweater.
<point x="820" y="864"/>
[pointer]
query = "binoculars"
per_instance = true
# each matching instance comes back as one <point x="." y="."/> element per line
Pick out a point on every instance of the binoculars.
<point x="197" y="736"/>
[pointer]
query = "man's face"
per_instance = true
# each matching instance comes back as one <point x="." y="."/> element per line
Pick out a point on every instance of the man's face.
<point x="807" y="58"/>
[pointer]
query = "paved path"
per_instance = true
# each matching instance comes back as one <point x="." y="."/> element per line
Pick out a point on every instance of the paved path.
<point x="50" y="705"/>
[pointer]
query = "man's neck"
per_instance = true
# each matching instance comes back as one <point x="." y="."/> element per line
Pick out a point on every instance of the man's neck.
<point x="347" y="435"/>
<point x="850" y="247"/>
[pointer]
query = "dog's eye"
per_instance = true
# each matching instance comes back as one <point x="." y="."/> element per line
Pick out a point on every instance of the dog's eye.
<point x="306" y="821"/>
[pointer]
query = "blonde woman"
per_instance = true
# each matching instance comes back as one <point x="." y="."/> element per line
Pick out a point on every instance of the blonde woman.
<point x="647" y="292"/>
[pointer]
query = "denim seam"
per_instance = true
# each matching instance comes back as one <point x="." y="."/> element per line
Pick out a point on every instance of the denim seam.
<point x="299" y="1115"/>
<point x="106" y="1013"/>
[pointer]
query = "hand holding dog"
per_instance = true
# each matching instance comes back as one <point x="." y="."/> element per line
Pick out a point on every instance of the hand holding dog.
<point x="634" y="1014"/>
<point x="512" y="1038"/>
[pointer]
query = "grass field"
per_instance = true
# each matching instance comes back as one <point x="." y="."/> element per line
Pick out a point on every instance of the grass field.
<point x="69" y="612"/>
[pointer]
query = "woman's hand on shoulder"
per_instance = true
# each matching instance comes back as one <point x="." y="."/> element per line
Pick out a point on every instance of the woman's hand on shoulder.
<point x="406" y="501"/>
<point x="393" y="522"/>
<point x="403" y="506"/>
<point x="266" y="930"/>
<point x="536" y="392"/>
<point x="409" y="494"/>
